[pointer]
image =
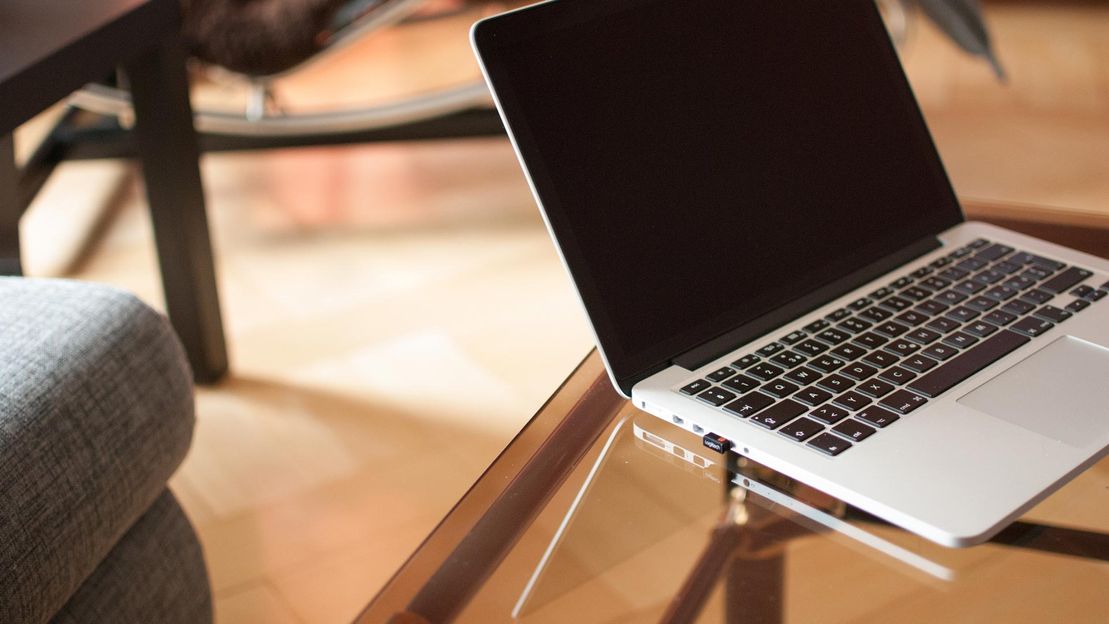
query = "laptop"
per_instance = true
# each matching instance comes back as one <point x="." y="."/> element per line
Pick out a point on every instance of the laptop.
<point x="771" y="255"/>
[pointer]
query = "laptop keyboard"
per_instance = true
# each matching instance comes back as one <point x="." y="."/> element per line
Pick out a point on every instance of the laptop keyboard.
<point x="839" y="380"/>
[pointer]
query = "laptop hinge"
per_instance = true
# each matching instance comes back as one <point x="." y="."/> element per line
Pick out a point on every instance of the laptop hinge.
<point x="717" y="347"/>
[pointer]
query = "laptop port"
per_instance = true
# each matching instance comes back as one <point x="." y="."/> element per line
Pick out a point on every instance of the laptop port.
<point x="698" y="429"/>
<point x="677" y="420"/>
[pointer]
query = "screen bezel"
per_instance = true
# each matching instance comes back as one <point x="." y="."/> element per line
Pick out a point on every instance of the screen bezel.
<point x="490" y="35"/>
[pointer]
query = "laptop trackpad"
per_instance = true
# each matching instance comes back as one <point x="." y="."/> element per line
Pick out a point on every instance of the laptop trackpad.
<point x="1058" y="392"/>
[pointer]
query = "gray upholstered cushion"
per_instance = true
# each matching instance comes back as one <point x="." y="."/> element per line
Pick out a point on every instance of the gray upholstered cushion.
<point x="96" y="412"/>
<point x="155" y="573"/>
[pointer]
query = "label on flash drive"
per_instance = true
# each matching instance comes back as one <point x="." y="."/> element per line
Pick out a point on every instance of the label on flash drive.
<point x="718" y="443"/>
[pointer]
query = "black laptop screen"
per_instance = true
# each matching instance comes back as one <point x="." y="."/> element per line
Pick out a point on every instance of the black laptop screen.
<point x="704" y="162"/>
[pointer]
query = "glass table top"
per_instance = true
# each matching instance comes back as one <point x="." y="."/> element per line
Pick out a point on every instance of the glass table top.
<point x="597" y="512"/>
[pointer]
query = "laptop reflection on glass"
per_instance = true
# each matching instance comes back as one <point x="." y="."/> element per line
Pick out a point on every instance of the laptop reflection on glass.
<point x="769" y="251"/>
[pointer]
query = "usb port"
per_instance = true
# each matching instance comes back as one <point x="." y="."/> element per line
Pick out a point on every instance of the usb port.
<point x="677" y="420"/>
<point x="698" y="429"/>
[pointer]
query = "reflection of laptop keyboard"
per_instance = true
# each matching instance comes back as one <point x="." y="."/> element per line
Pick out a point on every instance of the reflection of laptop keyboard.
<point x="839" y="379"/>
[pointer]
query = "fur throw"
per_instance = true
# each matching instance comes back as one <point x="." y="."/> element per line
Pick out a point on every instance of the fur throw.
<point x="256" y="37"/>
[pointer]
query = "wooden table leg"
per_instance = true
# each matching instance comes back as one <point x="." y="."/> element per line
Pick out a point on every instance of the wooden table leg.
<point x="10" y="209"/>
<point x="167" y="147"/>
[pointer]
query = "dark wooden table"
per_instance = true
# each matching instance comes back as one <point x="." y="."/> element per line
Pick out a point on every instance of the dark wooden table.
<point x="50" y="48"/>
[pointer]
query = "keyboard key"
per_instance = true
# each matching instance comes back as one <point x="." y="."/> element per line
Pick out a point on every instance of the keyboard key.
<point x="829" y="414"/>
<point x="897" y="375"/>
<point x="901" y="282"/>
<point x="741" y="384"/>
<point x="1008" y="268"/>
<point x="891" y="329"/>
<point x="923" y="336"/>
<point x="903" y="401"/>
<point x="1104" y="286"/>
<point x="881" y="359"/>
<point x="943" y="325"/>
<point x="793" y="337"/>
<point x="1065" y="280"/>
<point x="716" y="396"/>
<point x="969" y="287"/>
<point x="855" y="325"/>
<point x="1031" y="326"/>
<point x="875" y="388"/>
<point x="826" y="363"/>
<point x="696" y="387"/>
<point x="788" y="359"/>
<point x="962" y="314"/>
<point x="918" y="363"/>
<point x="815" y="326"/>
<point x="1052" y="313"/>
<point x="994" y="252"/>
<point x="970" y="362"/>
<point x="770" y="349"/>
<point x="721" y="374"/>
<point x="1021" y="257"/>
<point x="812" y="396"/>
<point x="1018" y="307"/>
<point x="1082" y="291"/>
<point x="978" y="243"/>
<point x="1037" y="297"/>
<point x="811" y="347"/>
<point x="896" y="303"/>
<point x="803" y="376"/>
<point x="1045" y="263"/>
<point x="875" y="315"/>
<point x="950" y="298"/>
<point x="999" y="318"/>
<point x="877" y="416"/>
<point x="838" y="315"/>
<point x="853" y="430"/>
<point x="833" y="336"/>
<point x="764" y="371"/>
<point x="1077" y="305"/>
<point x="989" y="276"/>
<point x="1002" y="292"/>
<point x="981" y="329"/>
<point x="932" y="307"/>
<point x="911" y="318"/>
<point x="881" y="293"/>
<point x="859" y="303"/>
<point x="1097" y="295"/>
<point x="871" y="340"/>
<point x="982" y="304"/>
<point x="939" y="263"/>
<point x="778" y="414"/>
<point x="916" y="293"/>
<point x="953" y="273"/>
<point x="921" y="272"/>
<point x="829" y="444"/>
<point x="801" y="429"/>
<point x="940" y="352"/>
<point x="961" y="252"/>
<point x="746" y="361"/>
<point x="858" y="371"/>
<point x="1020" y="282"/>
<point x="848" y="352"/>
<point x="935" y="283"/>
<point x="1037" y="273"/>
<point x="779" y="388"/>
<point x="903" y="348"/>
<point x="836" y="383"/>
<point x="748" y="404"/>
<point x="852" y="400"/>
<point x="960" y="340"/>
<point x="972" y="264"/>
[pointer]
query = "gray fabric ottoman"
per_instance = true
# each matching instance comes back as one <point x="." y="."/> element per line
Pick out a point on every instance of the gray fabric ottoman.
<point x="96" y="413"/>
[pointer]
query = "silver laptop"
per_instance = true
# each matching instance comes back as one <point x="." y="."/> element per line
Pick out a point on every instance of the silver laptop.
<point x="771" y="255"/>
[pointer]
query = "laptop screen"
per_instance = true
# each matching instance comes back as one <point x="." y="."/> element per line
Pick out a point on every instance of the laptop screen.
<point x="704" y="163"/>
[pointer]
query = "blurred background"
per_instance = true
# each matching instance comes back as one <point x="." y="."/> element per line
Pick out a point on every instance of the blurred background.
<point x="396" y="312"/>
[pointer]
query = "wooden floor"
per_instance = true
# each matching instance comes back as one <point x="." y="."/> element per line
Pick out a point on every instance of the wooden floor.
<point x="396" y="312"/>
